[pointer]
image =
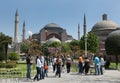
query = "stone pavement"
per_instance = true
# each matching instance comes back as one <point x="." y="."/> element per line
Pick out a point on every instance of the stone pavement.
<point x="110" y="76"/>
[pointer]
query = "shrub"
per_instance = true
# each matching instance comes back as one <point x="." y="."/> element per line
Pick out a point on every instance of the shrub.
<point x="14" y="56"/>
<point x="2" y="65"/>
<point x="11" y="64"/>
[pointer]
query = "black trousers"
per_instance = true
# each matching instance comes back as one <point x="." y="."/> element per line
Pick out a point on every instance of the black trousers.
<point x="58" y="72"/>
<point x="38" y="73"/>
<point x="68" y="65"/>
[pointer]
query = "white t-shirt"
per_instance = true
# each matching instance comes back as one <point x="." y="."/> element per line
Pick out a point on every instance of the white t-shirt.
<point x="102" y="62"/>
<point x="54" y="61"/>
<point x="39" y="64"/>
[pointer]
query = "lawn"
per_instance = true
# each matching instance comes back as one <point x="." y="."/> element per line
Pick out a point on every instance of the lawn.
<point x="113" y="66"/>
<point x="19" y="71"/>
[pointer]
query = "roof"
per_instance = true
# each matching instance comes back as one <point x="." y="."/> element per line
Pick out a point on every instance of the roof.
<point x="105" y="24"/>
<point x="52" y="25"/>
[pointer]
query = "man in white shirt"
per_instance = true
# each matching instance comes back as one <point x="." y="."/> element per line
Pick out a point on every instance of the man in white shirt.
<point x="38" y="68"/>
<point x="102" y="62"/>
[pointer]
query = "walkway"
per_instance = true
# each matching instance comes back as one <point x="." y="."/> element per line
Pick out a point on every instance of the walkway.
<point x="110" y="76"/>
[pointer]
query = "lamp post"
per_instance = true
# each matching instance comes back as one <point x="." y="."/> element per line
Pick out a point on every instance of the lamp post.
<point x="85" y="45"/>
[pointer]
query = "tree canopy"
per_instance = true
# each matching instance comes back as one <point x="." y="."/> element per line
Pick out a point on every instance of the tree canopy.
<point x="92" y="42"/>
<point x="112" y="45"/>
<point x="4" y="41"/>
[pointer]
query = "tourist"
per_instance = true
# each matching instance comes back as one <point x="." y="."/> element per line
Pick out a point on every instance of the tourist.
<point x="68" y="63"/>
<point x="54" y="63"/>
<point x="42" y="59"/>
<point x="102" y="62"/>
<point x="86" y="65"/>
<point x="80" y="64"/>
<point x="38" y="68"/>
<point x="29" y="63"/>
<point x="45" y="69"/>
<point x="63" y="61"/>
<point x="58" y="65"/>
<point x="97" y="65"/>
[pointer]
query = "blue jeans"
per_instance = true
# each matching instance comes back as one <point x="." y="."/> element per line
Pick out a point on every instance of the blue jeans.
<point x="80" y="65"/>
<point x="101" y="69"/>
<point x="42" y="73"/>
<point x="28" y="71"/>
<point x="97" y="69"/>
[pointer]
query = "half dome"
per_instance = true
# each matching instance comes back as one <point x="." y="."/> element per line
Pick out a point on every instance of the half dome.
<point x="53" y="39"/>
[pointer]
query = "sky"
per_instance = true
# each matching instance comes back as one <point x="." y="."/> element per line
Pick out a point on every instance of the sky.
<point x="66" y="13"/>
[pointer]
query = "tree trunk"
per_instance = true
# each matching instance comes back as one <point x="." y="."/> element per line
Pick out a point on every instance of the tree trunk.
<point x="6" y="49"/>
<point x="116" y="62"/>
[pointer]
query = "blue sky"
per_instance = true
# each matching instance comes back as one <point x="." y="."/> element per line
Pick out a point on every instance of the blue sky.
<point x="66" y="13"/>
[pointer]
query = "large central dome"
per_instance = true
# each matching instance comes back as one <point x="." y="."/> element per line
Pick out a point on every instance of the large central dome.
<point x="105" y="24"/>
<point x="52" y="25"/>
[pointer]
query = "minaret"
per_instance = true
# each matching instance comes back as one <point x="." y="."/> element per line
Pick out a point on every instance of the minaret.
<point x="84" y="25"/>
<point x="85" y="35"/>
<point x="78" y="32"/>
<point x="16" y="27"/>
<point x="23" y="31"/>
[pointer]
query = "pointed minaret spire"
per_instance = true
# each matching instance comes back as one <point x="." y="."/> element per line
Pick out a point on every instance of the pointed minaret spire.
<point x="23" y="35"/>
<point x="16" y="27"/>
<point x="84" y="25"/>
<point x="78" y="32"/>
<point x="16" y="14"/>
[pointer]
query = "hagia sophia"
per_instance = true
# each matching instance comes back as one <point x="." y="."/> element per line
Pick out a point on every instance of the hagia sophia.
<point x="53" y="32"/>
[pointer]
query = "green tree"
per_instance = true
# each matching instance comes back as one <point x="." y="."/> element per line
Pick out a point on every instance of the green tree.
<point x="92" y="42"/>
<point x="31" y="46"/>
<point x="65" y="48"/>
<point x="35" y="48"/>
<point x="44" y="49"/>
<point x="4" y="41"/>
<point x="74" y="45"/>
<point x="112" y="45"/>
<point x="25" y="47"/>
<point x="56" y="46"/>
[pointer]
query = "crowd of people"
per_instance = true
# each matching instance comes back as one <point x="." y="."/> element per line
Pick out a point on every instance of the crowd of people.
<point x="59" y="63"/>
<point x="84" y="64"/>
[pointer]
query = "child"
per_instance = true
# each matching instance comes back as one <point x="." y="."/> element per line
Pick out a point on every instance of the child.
<point x="46" y="69"/>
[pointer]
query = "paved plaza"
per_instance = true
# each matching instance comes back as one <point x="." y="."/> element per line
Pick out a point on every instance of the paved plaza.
<point x="110" y="76"/>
